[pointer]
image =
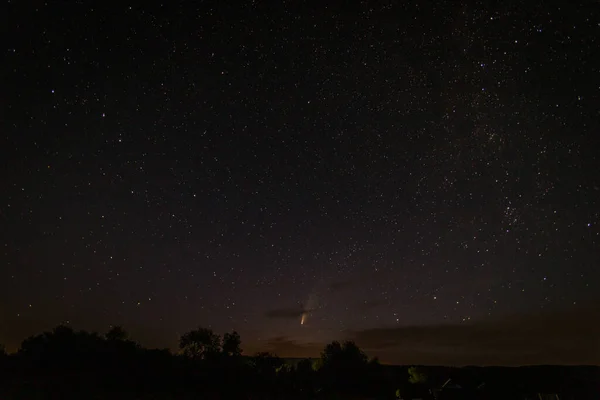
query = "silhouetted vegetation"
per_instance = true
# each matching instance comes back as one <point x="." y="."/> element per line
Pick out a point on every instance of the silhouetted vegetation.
<point x="116" y="333"/>
<point x="417" y="375"/>
<point x="64" y="363"/>
<point x="232" y="344"/>
<point x="200" y="344"/>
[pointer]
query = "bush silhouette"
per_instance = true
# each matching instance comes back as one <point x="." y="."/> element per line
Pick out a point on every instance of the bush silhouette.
<point x="231" y="344"/>
<point x="116" y="333"/>
<point x="200" y="344"/>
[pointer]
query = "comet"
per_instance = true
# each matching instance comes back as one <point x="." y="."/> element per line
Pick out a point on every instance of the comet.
<point x="309" y="307"/>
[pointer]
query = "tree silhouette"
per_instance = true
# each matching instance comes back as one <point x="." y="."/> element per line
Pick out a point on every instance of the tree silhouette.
<point x="346" y="355"/>
<point x="62" y="348"/>
<point x="344" y="366"/>
<point x="50" y="347"/>
<point x="201" y="343"/>
<point x="117" y="334"/>
<point x="33" y="347"/>
<point x="119" y="350"/>
<point x="62" y="334"/>
<point x="231" y="344"/>
<point x="2" y="350"/>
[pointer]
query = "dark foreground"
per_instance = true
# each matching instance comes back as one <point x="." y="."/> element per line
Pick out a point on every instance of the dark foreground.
<point x="544" y="382"/>
<point x="65" y="364"/>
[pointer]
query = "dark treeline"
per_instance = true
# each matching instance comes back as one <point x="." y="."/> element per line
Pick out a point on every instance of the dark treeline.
<point x="65" y="364"/>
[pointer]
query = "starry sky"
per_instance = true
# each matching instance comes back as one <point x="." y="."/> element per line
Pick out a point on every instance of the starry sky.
<point x="422" y="178"/>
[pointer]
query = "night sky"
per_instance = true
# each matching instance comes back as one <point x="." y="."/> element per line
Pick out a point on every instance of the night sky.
<point x="422" y="178"/>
